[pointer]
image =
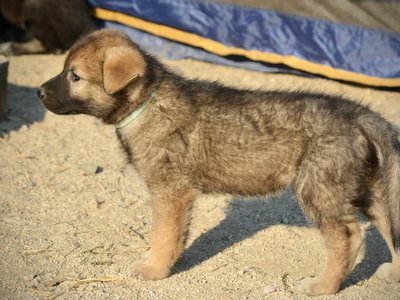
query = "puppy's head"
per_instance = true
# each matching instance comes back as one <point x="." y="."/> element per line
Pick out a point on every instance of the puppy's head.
<point x="97" y="70"/>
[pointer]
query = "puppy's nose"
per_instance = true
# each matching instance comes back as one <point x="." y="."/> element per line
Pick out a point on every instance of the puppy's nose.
<point x="41" y="93"/>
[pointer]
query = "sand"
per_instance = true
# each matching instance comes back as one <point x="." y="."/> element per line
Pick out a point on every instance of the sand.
<point x="74" y="216"/>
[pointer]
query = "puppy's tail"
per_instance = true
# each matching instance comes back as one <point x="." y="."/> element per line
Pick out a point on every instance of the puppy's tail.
<point x="392" y="193"/>
<point x="385" y="206"/>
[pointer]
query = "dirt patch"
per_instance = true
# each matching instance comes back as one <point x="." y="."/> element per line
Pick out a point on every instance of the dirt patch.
<point x="74" y="216"/>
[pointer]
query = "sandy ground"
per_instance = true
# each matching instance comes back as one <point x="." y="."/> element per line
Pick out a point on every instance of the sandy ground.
<point x="74" y="216"/>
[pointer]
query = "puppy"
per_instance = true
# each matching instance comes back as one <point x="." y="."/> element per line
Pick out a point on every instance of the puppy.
<point x="44" y="25"/>
<point x="187" y="137"/>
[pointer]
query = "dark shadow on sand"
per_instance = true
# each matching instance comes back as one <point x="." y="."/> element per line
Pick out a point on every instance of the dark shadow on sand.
<point x="245" y="217"/>
<point x="24" y="108"/>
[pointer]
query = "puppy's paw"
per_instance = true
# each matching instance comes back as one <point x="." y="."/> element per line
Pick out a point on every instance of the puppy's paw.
<point x="314" y="287"/>
<point x="147" y="271"/>
<point x="6" y="49"/>
<point x="389" y="272"/>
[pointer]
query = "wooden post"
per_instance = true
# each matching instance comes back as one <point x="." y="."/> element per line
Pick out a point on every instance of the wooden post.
<point x="3" y="86"/>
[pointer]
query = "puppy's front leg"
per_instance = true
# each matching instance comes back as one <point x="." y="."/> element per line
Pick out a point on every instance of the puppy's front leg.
<point x="171" y="214"/>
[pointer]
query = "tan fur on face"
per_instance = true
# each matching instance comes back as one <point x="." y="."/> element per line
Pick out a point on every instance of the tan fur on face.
<point x="198" y="137"/>
<point x="105" y="67"/>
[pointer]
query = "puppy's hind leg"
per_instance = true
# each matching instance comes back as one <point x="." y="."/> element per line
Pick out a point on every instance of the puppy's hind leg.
<point x="380" y="217"/>
<point x="170" y="219"/>
<point x="343" y="241"/>
<point x="326" y="198"/>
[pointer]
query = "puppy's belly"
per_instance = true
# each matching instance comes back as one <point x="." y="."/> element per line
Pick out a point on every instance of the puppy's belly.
<point x="258" y="167"/>
<point x="246" y="180"/>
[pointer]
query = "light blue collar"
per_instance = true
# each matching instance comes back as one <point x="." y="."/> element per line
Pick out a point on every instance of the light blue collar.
<point x="133" y="115"/>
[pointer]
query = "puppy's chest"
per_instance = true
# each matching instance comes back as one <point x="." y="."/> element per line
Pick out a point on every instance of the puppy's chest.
<point x="155" y="150"/>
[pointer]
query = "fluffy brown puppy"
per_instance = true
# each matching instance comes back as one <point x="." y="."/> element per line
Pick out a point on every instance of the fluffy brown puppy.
<point x="187" y="137"/>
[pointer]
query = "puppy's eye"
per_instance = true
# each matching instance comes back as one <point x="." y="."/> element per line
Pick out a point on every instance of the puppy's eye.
<point x="75" y="77"/>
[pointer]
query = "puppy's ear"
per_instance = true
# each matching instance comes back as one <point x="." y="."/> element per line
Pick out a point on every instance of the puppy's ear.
<point x="121" y="66"/>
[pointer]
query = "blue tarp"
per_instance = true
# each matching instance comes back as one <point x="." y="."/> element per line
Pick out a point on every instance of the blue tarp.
<point x="365" y="51"/>
<point x="173" y="50"/>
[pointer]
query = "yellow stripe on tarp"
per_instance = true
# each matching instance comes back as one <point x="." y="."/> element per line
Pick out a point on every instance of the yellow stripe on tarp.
<point x="223" y="50"/>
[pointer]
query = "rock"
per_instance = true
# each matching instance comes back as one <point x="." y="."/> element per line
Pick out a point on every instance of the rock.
<point x="270" y="288"/>
<point x="90" y="168"/>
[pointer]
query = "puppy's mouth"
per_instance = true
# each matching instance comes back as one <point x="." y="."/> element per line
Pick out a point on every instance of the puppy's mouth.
<point x="68" y="112"/>
<point x="60" y="109"/>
